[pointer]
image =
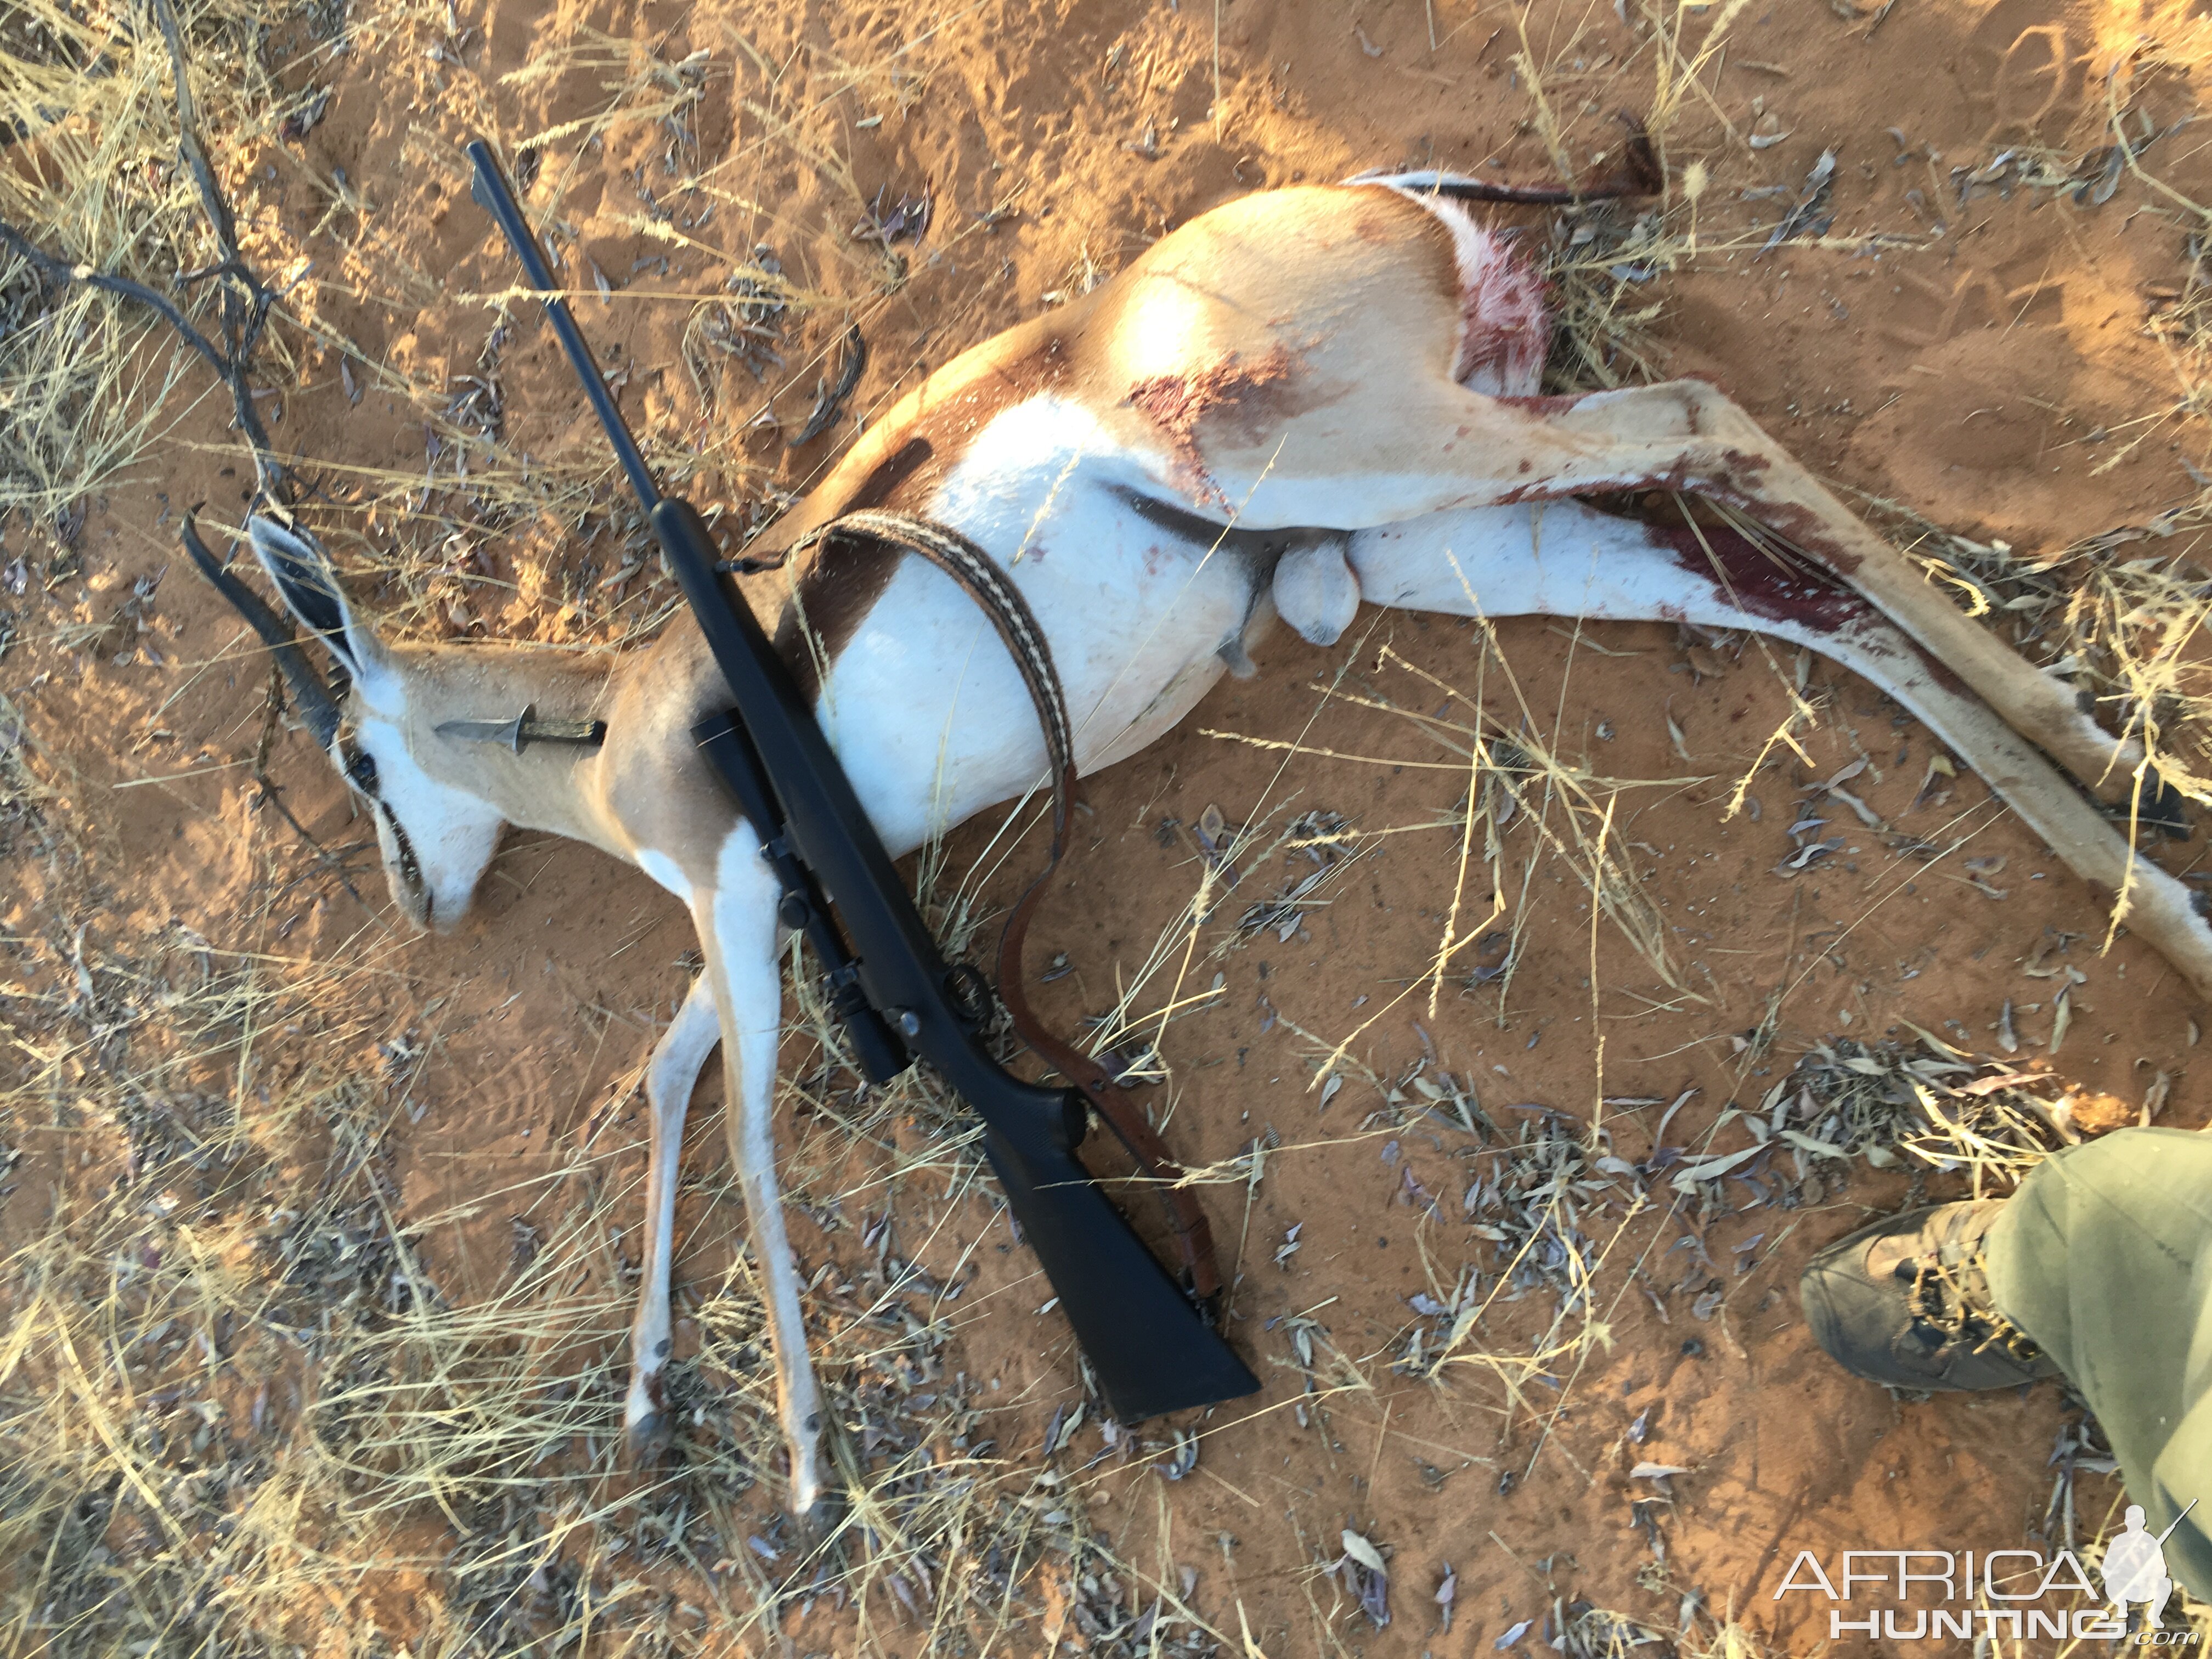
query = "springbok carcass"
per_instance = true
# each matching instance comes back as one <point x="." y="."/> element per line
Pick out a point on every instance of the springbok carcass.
<point x="1299" y="401"/>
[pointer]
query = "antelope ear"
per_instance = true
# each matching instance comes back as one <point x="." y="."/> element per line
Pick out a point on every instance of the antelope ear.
<point x="1316" y="592"/>
<point x="301" y="570"/>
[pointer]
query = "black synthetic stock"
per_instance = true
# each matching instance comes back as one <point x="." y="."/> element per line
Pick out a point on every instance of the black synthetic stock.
<point x="1149" y="1348"/>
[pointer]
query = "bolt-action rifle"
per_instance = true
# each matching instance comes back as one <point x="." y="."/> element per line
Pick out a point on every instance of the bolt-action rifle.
<point x="1150" y="1347"/>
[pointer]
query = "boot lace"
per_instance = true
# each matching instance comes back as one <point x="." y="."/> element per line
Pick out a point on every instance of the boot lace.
<point x="1946" y="1305"/>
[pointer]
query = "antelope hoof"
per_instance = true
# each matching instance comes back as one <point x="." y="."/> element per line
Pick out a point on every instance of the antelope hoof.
<point x="647" y="1446"/>
<point x="807" y="1499"/>
<point x="2165" y="809"/>
<point x="650" y="1430"/>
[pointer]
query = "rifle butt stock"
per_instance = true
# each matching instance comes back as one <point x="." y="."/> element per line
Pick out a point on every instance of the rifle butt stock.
<point x="1150" y="1349"/>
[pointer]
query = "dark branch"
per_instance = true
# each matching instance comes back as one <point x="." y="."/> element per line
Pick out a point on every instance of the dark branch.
<point x="246" y="298"/>
<point x="61" y="273"/>
<point x="245" y="302"/>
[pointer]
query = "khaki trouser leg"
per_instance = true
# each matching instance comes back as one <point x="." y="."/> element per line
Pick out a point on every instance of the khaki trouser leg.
<point x="2104" y="1257"/>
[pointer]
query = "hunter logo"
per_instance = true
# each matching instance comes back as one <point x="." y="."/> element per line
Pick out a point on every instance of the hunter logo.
<point x="2019" y="1594"/>
<point x="2135" y="1567"/>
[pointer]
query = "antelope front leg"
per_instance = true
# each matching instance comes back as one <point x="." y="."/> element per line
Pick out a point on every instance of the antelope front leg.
<point x="1685" y="434"/>
<point x="738" y="931"/>
<point x="669" y="1077"/>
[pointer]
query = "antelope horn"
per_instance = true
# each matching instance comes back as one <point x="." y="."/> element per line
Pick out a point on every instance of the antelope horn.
<point x="312" y="696"/>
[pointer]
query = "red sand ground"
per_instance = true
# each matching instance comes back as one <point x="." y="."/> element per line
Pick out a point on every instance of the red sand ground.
<point x="1986" y="381"/>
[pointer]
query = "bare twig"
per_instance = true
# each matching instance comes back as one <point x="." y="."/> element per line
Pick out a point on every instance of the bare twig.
<point x="61" y="273"/>
<point x="246" y="298"/>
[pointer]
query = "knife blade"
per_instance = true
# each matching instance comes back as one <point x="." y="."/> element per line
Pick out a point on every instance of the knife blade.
<point x="519" y="733"/>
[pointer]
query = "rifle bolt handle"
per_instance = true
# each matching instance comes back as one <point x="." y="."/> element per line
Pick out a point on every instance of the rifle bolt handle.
<point x="908" y="1021"/>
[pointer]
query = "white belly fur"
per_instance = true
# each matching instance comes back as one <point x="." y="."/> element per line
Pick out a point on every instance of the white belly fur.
<point x="924" y="705"/>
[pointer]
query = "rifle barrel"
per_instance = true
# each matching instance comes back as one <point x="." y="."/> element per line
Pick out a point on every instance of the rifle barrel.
<point x="2178" y="1520"/>
<point x="488" y="187"/>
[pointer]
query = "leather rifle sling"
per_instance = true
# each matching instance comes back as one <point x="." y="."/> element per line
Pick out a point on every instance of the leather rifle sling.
<point x="980" y="578"/>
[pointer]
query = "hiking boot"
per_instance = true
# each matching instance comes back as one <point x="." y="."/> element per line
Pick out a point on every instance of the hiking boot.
<point x="1906" y="1302"/>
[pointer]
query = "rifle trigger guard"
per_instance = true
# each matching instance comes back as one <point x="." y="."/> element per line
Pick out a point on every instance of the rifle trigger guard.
<point x="1209" y="1307"/>
<point x="970" y="993"/>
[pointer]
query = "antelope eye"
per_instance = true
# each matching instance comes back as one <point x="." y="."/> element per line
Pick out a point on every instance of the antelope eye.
<point x="361" y="768"/>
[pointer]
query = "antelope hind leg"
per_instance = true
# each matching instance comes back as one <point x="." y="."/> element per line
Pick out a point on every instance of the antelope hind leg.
<point x="738" y="932"/>
<point x="1392" y="448"/>
<point x="1565" y="559"/>
<point x="669" y="1077"/>
<point x="1743" y="464"/>
<point x="1320" y="392"/>
<point x="1693" y="437"/>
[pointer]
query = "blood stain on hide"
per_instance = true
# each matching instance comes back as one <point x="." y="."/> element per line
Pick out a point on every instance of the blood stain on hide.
<point x="1176" y="404"/>
<point x="1785" y="593"/>
<point x="1761" y="585"/>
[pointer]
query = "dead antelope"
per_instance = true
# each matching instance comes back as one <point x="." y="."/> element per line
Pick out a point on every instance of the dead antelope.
<point x="1299" y="401"/>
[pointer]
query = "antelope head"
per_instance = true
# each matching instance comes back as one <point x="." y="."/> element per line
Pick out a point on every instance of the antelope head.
<point x="437" y="838"/>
